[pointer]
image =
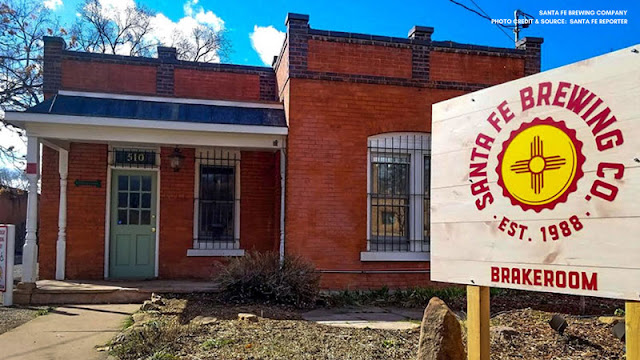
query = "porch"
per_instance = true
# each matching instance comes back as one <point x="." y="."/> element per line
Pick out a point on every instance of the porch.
<point x="147" y="188"/>
<point x="106" y="292"/>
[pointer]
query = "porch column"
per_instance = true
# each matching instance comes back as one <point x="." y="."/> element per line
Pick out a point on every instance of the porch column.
<point x="282" y="201"/>
<point x="30" y="248"/>
<point x="61" y="244"/>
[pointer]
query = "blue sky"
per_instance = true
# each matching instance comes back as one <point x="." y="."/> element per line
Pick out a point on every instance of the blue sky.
<point x="563" y="43"/>
<point x="256" y="28"/>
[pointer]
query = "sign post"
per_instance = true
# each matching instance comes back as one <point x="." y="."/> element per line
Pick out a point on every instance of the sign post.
<point x="478" y="322"/>
<point x="537" y="187"/>
<point x="7" y="251"/>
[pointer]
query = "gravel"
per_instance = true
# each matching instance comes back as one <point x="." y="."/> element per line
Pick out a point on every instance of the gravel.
<point x="280" y="333"/>
<point x="11" y="317"/>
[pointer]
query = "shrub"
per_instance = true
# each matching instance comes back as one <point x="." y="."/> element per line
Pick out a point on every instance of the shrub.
<point x="155" y="340"/>
<point x="260" y="277"/>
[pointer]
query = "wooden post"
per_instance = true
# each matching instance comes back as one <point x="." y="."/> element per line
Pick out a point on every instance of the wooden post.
<point x="632" y="329"/>
<point x="478" y="322"/>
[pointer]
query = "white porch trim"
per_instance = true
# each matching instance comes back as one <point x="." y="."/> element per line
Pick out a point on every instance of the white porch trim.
<point x="61" y="244"/>
<point x="24" y="119"/>
<point x="394" y="256"/>
<point x="30" y="247"/>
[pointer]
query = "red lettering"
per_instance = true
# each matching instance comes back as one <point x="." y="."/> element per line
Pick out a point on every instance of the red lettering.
<point x="558" y="100"/>
<point x="515" y="275"/>
<point x="537" y="277"/>
<point x="505" y="275"/>
<point x="475" y="153"/>
<point x="561" y="279"/>
<point x="522" y="230"/>
<point x="574" y="280"/>
<point x="479" y="187"/>
<point x="611" y="190"/>
<point x="591" y="109"/>
<point x="512" y="229"/>
<point x="590" y="284"/>
<point x="544" y="93"/>
<point x="478" y="170"/>
<point x="493" y="120"/>
<point x="503" y="223"/>
<point x="548" y="278"/>
<point x="526" y="98"/>
<point x="576" y="102"/>
<point x="486" y="199"/>
<point x="525" y="276"/>
<point x="605" y="165"/>
<point x="495" y="274"/>
<point x="601" y="122"/>
<point x="606" y="141"/>
<point x="484" y="141"/>
<point x="506" y="113"/>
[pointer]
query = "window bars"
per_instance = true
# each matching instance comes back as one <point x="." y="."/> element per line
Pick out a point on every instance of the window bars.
<point x="398" y="194"/>
<point x="217" y="200"/>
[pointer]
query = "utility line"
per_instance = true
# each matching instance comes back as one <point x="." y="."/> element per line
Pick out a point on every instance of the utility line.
<point x="485" y="16"/>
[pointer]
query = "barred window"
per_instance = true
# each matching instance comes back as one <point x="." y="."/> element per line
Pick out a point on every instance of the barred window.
<point x="398" y="196"/>
<point x="217" y="200"/>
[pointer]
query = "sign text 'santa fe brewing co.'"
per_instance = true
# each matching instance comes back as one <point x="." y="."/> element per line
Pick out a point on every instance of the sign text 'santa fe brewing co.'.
<point x="536" y="182"/>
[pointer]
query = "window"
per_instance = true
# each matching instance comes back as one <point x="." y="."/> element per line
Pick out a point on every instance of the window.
<point x="217" y="204"/>
<point x="398" y="194"/>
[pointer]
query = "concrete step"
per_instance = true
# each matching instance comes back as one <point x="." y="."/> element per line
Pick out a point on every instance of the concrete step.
<point x="104" y="292"/>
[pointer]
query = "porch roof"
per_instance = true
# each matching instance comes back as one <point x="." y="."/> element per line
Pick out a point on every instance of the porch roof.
<point x="159" y="109"/>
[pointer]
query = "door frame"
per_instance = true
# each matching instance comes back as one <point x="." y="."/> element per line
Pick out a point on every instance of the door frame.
<point x="107" y="220"/>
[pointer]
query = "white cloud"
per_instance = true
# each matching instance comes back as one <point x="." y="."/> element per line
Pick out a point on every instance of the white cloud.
<point x="165" y="30"/>
<point x="267" y="42"/>
<point x="52" y="4"/>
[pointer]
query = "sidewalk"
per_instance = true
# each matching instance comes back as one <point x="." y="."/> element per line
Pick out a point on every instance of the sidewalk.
<point x="67" y="332"/>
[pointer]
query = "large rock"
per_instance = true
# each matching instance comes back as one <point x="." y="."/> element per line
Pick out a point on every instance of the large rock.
<point x="440" y="334"/>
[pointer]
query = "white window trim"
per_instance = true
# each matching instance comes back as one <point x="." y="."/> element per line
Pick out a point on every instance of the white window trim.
<point x="416" y="171"/>
<point x="196" y="250"/>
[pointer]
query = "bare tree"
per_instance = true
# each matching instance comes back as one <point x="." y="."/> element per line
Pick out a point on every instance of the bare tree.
<point x="130" y="31"/>
<point x="103" y="30"/>
<point x="23" y="23"/>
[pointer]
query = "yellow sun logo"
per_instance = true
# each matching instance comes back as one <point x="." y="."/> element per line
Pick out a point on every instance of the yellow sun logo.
<point x="540" y="164"/>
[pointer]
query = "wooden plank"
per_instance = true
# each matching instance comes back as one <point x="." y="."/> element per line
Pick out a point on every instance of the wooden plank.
<point x="557" y="218"/>
<point x="632" y="329"/>
<point x="478" y="344"/>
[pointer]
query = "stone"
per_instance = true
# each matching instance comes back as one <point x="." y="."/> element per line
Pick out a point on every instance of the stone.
<point x="503" y="333"/>
<point x="247" y="317"/>
<point x="204" y="320"/>
<point x="610" y="320"/>
<point x="156" y="299"/>
<point x="440" y="334"/>
<point x="149" y="306"/>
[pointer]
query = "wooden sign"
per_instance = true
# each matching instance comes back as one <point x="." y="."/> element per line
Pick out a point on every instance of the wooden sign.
<point x="536" y="182"/>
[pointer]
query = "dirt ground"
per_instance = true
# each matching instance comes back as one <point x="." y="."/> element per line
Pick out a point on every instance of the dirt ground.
<point x="173" y="332"/>
<point x="11" y="317"/>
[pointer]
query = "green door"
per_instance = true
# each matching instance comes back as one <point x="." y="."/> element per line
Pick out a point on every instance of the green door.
<point x="133" y="225"/>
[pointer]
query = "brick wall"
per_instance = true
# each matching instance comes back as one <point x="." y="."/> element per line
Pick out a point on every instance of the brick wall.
<point x="259" y="200"/>
<point x="96" y="76"/>
<point x="192" y="83"/>
<point x="359" y="59"/>
<point x="86" y="206"/>
<point x="258" y="222"/>
<point x="48" y="213"/>
<point x="482" y="69"/>
<point x="327" y="175"/>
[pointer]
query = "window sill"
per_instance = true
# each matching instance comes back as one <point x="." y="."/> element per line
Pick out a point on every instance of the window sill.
<point x="394" y="256"/>
<point x="222" y="253"/>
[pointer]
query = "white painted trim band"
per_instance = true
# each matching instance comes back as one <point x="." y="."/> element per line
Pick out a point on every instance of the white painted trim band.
<point x="243" y="104"/>
<point x="225" y="253"/>
<point x="394" y="256"/>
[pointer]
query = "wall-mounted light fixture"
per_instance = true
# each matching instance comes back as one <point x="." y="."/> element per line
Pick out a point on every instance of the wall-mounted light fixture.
<point x="176" y="159"/>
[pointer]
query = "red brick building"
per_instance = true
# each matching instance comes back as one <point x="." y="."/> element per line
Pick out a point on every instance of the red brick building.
<point x="162" y="168"/>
